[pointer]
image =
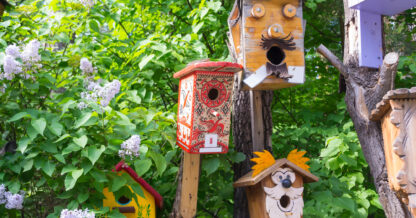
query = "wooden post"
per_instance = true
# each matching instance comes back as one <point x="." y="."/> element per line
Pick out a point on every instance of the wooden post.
<point x="190" y="180"/>
<point x="257" y="125"/>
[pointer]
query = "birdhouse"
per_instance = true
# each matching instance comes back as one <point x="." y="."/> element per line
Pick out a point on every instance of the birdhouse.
<point x="276" y="190"/>
<point x="266" y="37"/>
<point x="397" y="114"/>
<point x="369" y="23"/>
<point x="145" y="207"/>
<point x="204" y="107"/>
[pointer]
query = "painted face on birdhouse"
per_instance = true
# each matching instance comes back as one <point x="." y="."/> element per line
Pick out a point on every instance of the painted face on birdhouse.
<point x="268" y="40"/>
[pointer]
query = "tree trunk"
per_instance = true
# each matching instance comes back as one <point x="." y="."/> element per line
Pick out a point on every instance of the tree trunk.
<point x="243" y="139"/>
<point x="365" y="88"/>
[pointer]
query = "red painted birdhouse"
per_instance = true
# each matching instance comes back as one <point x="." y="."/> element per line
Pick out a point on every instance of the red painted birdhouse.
<point x="204" y="108"/>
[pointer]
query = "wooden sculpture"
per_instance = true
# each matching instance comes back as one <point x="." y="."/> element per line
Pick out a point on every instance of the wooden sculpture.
<point x="370" y="40"/>
<point x="145" y="207"/>
<point x="266" y="37"/>
<point x="275" y="187"/>
<point x="204" y="108"/>
<point x="397" y="114"/>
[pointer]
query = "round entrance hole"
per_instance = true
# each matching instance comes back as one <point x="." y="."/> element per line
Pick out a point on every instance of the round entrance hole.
<point x="123" y="200"/>
<point x="276" y="55"/>
<point x="284" y="201"/>
<point x="213" y="94"/>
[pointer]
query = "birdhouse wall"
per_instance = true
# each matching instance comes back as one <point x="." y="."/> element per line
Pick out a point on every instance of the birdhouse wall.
<point x="204" y="112"/>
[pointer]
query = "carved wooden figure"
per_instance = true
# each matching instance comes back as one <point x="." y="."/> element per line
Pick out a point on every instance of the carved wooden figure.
<point x="204" y="108"/>
<point x="274" y="188"/>
<point x="144" y="207"/>
<point x="266" y="37"/>
<point x="397" y="114"/>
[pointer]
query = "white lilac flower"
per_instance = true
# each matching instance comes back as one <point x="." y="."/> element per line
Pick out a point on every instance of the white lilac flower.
<point x="82" y="105"/>
<point x="14" y="201"/>
<point x="86" y="66"/>
<point x="88" y="3"/>
<point x="13" y="50"/>
<point x="65" y="213"/>
<point x="130" y="147"/>
<point x="2" y="196"/>
<point x="11" y="67"/>
<point x="108" y="92"/>
<point x="30" y="55"/>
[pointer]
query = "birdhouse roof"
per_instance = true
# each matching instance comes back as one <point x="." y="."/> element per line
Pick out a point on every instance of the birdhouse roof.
<point x="384" y="106"/>
<point x="384" y="7"/>
<point x="249" y="180"/>
<point x="123" y="166"/>
<point x="209" y="66"/>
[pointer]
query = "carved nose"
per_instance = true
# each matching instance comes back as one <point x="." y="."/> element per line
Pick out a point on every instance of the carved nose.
<point x="286" y="183"/>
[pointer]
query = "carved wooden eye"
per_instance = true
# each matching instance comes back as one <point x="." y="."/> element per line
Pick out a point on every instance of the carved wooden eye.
<point x="289" y="10"/>
<point x="258" y="10"/>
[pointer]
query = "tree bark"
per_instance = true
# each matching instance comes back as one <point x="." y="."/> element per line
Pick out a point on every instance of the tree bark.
<point x="365" y="88"/>
<point x="243" y="140"/>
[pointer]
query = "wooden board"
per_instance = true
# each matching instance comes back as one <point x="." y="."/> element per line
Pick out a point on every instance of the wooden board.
<point x="190" y="180"/>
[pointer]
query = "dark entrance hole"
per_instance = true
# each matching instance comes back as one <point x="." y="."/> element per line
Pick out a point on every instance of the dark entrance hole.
<point x="213" y="94"/>
<point x="276" y="55"/>
<point x="284" y="201"/>
<point x="123" y="200"/>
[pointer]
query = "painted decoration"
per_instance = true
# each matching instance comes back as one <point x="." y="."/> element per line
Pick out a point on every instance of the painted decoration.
<point x="397" y="113"/>
<point x="370" y="41"/>
<point x="274" y="188"/>
<point x="266" y="37"/>
<point x="145" y="207"/>
<point x="204" y="106"/>
<point x="283" y="200"/>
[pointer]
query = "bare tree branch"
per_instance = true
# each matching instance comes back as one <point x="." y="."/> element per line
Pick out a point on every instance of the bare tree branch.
<point x="333" y="59"/>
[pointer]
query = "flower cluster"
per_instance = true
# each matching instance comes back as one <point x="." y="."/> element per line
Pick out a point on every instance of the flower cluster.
<point x="12" y="201"/>
<point x="65" y="213"/>
<point x="88" y="3"/>
<point x="130" y="147"/>
<point x="86" y="66"/>
<point x="30" y="61"/>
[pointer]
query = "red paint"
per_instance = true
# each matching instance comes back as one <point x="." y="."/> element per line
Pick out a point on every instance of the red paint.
<point x="123" y="166"/>
<point x="209" y="66"/>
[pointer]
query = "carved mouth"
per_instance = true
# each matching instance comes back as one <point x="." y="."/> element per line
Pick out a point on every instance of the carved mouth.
<point x="285" y="204"/>
<point x="125" y="209"/>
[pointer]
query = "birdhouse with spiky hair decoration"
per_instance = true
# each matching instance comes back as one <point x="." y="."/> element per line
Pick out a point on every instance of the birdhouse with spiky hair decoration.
<point x="266" y="37"/>
<point x="274" y="188"/>
<point x="204" y="106"/>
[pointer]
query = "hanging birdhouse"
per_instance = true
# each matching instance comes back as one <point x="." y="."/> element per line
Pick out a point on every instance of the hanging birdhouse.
<point x="274" y="188"/>
<point x="266" y="37"/>
<point x="204" y="107"/>
<point x="145" y="207"/>
<point x="397" y="114"/>
<point x="369" y="23"/>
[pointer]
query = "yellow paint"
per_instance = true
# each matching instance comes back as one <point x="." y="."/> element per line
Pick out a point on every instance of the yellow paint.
<point x="263" y="161"/>
<point x="145" y="209"/>
<point x="297" y="158"/>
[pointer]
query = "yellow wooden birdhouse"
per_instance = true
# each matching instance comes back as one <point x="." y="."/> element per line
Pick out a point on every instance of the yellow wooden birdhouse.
<point x="146" y="207"/>
<point x="266" y="37"/>
<point x="397" y="114"/>
<point x="274" y="188"/>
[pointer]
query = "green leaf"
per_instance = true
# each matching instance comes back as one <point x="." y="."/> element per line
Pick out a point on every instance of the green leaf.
<point x="81" y="141"/>
<point x="60" y="158"/>
<point x="68" y="168"/>
<point x="23" y="143"/>
<point x="145" y="60"/>
<point x="142" y="166"/>
<point x="237" y="157"/>
<point x="333" y="147"/>
<point x="94" y="26"/>
<point x="210" y="165"/>
<point x="159" y="160"/>
<point x="56" y="128"/>
<point x="18" y="116"/>
<point x="82" y="197"/>
<point x="69" y="182"/>
<point x="39" y="125"/>
<point x="71" y="148"/>
<point x="28" y="164"/>
<point x="86" y="166"/>
<point x="117" y="183"/>
<point x="95" y="153"/>
<point x="62" y="138"/>
<point x="82" y="120"/>
<point x="346" y="203"/>
<point x="137" y="189"/>
<point x="77" y="173"/>
<point x="99" y="176"/>
<point x="48" y="168"/>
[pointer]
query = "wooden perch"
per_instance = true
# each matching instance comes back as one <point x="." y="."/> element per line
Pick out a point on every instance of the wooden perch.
<point x="388" y="71"/>
<point x="333" y="59"/>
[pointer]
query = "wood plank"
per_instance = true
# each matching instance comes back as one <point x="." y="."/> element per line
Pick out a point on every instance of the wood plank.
<point x="256" y="201"/>
<point x="257" y="126"/>
<point x="190" y="180"/>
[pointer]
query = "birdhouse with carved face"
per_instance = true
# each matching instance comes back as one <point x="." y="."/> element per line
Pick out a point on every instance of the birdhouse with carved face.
<point x="397" y="115"/>
<point x="266" y="37"/>
<point x="204" y="107"/>
<point x="143" y="205"/>
<point x="274" y="188"/>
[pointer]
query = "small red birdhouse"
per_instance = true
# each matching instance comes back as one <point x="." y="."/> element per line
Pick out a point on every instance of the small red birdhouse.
<point x="204" y="107"/>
